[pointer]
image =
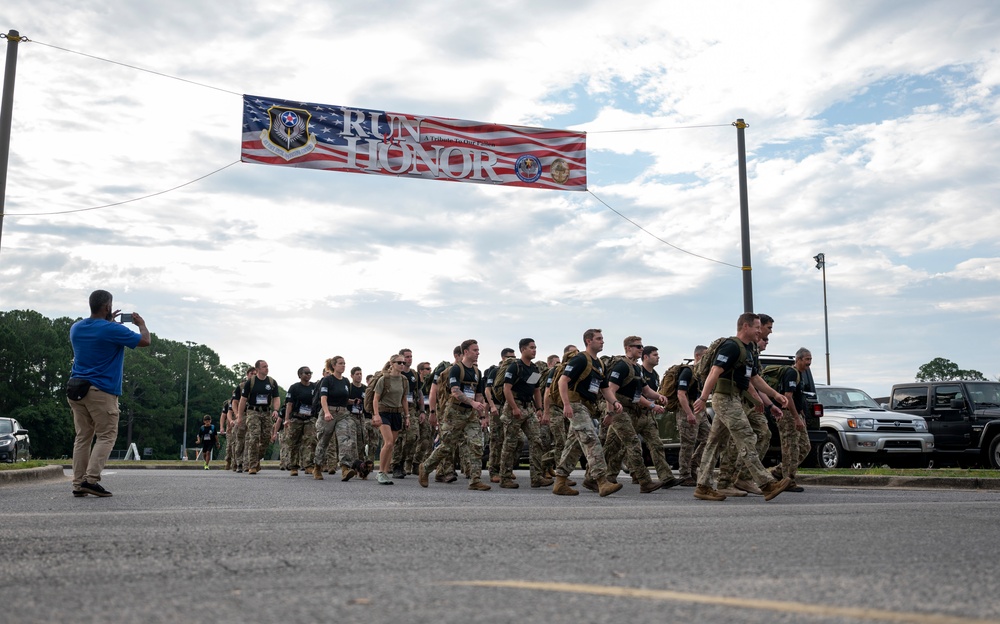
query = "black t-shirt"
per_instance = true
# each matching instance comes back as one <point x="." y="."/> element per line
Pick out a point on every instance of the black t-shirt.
<point x="336" y="391"/>
<point x="300" y="396"/>
<point x="357" y="392"/>
<point x="489" y="377"/>
<point x="791" y="382"/>
<point x="652" y="378"/>
<point x="687" y="382"/>
<point x="549" y="376"/>
<point x="259" y="393"/>
<point x="589" y="388"/>
<point x="207" y="435"/>
<point x="727" y="357"/>
<point x="631" y="388"/>
<point x="468" y="379"/>
<point x="414" y="388"/>
<point x="226" y="407"/>
<point x="523" y="379"/>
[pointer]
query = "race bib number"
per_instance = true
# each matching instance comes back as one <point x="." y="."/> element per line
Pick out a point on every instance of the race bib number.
<point x="533" y="378"/>
<point x="355" y="409"/>
<point x="595" y="386"/>
<point x="638" y="395"/>
<point x="305" y="410"/>
<point x="207" y="437"/>
<point x="409" y="397"/>
<point x="749" y="372"/>
<point x="469" y="392"/>
<point x="261" y="399"/>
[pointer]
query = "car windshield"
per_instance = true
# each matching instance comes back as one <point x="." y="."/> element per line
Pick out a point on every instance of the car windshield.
<point x="984" y="394"/>
<point x="6" y="426"/>
<point x="845" y="398"/>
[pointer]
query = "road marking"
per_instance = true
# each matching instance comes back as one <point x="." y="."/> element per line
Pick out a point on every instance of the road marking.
<point x="860" y="613"/>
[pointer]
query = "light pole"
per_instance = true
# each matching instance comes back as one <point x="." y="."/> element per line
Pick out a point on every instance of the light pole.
<point x="821" y="264"/>
<point x="187" y="384"/>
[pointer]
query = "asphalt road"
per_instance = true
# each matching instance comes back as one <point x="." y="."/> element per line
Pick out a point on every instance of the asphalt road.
<point x="182" y="545"/>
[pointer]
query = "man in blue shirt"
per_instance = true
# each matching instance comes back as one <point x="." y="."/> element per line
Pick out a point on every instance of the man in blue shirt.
<point x="98" y="358"/>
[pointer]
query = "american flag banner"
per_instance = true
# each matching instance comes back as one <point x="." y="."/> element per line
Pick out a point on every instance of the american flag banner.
<point x="358" y="140"/>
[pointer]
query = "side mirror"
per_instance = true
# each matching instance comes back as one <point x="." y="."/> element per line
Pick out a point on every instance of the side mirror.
<point x="884" y="406"/>
<point x="957" y="404"/>
<point x="21" y="432"/>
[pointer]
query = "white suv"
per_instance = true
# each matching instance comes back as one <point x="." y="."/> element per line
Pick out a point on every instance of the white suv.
<point x="859" y="431"/>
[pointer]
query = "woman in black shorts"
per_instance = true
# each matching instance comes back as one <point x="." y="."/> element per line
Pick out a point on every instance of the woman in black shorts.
<point x="390" y="411"/>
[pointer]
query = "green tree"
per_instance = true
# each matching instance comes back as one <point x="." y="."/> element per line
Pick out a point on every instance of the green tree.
<point x="941" y="369"/>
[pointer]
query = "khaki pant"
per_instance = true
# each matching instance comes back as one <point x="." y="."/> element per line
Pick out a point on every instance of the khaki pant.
<point x="582" y="438"/>
<point x="693" y="438"/>
<point x="794" y="444"/>
<point x="94" y="415"/>
<point x="731" y="423"/>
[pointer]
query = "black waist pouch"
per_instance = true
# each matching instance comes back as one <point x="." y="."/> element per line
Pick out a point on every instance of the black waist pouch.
<point x="76" y="389"/>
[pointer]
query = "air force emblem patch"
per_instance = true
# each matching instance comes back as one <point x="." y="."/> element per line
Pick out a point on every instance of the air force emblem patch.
<point x="288" y="133"/>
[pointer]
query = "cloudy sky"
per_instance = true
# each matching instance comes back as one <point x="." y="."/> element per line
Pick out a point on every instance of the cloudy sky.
<point x="873" y="138"/>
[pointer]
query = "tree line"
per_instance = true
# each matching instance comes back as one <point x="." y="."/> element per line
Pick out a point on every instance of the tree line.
<point x="35" y="361"/>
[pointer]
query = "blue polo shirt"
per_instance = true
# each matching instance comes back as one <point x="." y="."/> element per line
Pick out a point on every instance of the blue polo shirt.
<point x="99" y="352"/>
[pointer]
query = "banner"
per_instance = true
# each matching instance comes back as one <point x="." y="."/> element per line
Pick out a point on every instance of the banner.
<point x="358" y="140"/>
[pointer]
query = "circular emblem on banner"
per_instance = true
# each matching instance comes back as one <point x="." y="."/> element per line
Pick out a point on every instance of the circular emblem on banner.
<point x="559" y="170"/>
<point x="528" y="168"/>
<point x="289" y="119"/>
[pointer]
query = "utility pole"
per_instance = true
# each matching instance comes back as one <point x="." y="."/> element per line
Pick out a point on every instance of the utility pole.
<point x="7" y="112"/>
<point x="187" y="385"/>
<point x="821" y="264"/>
<point x="741" y="146"/>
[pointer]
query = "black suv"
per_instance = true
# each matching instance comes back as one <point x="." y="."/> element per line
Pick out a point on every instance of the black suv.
<point x="964" y="417"/>
<point x="14" y="442"/>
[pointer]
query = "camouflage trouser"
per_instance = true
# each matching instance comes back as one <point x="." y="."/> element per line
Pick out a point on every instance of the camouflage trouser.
<point x="325" y="431"/>
<point x="460" y="430"/>
<point x="528" y="423"/>
<point x="301" y="437"/>
<point x="623" y="442"/>
<point x="693" y="438"/>
<point x="239" y="442"/>
<point x="425" y="441"/>
<point x="794" y="444"/>
<point x="283" y="451"/>
<point x="645" y="426"/>
<point x="370" y="442"/>
<point x="731" y="470"/>
<point x="557" y="430"/>
<point x="731" y="423"/>
<point x="496" y="444"/>
<point x="406" y="442"/>
<point x="582" y="438"/>
<point x="227" y="444"/>
<point x="258" y="437"/>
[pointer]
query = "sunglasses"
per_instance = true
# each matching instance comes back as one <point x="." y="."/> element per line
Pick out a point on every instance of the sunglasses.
<point x="400" y="363"/>
<point x="307" y="372"/>
<point x="635" y="346"/>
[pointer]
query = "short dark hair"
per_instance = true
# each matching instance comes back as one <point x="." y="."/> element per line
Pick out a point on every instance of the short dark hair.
<point x="404" y="351"/>
<point x="648" y="350"/>
<point x="523" y="343"/>
<point x="457" y="350"/>
<point x="257" y="364"/>
<point x="569" y="348"/>
<point x="99" y="299"/>
<point x="301" y="370"/>
<point x="589" y="335"/>
<point x="747" y="318"/>
<point x="207" y="417"/>
<point x="700" y="349"/>
<point x="506" y="352"/>
<point x="766" y="319"/>
<point x="355" y="370"/>
<point x="467" y="344"/>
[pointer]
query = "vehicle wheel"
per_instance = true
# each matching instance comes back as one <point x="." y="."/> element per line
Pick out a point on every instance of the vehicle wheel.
<point x="830" y="454"/>
<point x="994" y="458"/>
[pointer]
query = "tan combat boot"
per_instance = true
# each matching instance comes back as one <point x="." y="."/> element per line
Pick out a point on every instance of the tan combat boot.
<point x="591" y="484"/>
<point x="293" y="473"/>
<point x="346" y="473"/>
<point x="705" y="492"/>
<point x="561" y="487"/>
<point x="422" y="476"/>
<point x="509" y="484"/>
<point x="480" y="486"/>
<point x="605" y="487"/>
<point x="318" y="473"/>
<point x="542" y="482"/>
<point x="774" y="488"/>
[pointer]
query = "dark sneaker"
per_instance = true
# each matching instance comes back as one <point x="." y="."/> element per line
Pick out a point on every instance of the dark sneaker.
<point x="671" y="482"/>
<point x="688" y="482"/>
<point x="397" y="473"/>
<point x="795" y="487"/>
<point x="94" y="489"/>
<point x="450" y="478"/>
<point x="79" y="493"/>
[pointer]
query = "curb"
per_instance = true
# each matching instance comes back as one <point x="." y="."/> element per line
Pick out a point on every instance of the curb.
<point x="43" y="473"/>
<point x="923" y="483"/>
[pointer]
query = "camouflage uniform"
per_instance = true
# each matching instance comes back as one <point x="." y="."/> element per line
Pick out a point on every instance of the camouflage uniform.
<point x="645" y="425"/>
<point x="258" y="436"/>
<point x="341" y="426"/>
<point x="301" y="436"/>
<point x="238" y="433"/>
<point x="730" y="470"/>
<point x="622" y="442"/>
<point x="693" y="438"/>
<point x="795" y="445"/>
<point x="496" y="425"/>
<point x="460" y="430"/>
<point x="528" y="423"/>
<point x="731" y="423"/>
<point x="582" y="439"/>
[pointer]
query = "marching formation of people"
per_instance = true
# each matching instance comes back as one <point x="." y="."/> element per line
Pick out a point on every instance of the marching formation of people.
<point x="581" y="405"/>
